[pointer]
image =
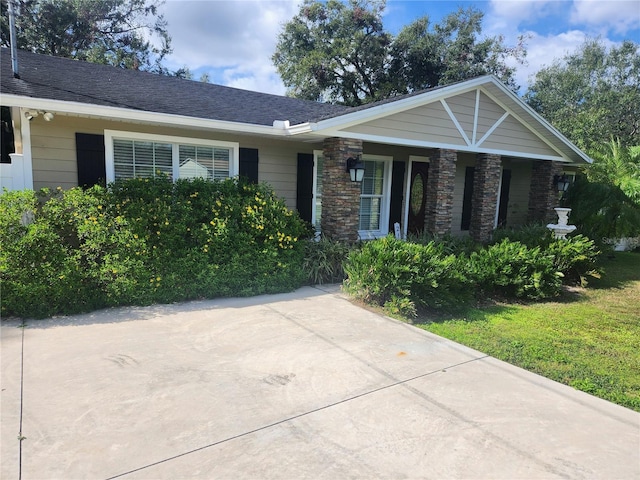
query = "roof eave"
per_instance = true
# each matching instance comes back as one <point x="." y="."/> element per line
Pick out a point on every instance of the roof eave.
<point x="537" y="117"/>
<point x="119" y="113"/>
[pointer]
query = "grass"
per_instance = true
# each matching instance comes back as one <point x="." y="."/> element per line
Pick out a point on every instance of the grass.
<point x="588" y="339"/>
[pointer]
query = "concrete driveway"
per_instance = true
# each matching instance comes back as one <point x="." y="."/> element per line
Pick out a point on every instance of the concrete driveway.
<point x="300" y="385"/>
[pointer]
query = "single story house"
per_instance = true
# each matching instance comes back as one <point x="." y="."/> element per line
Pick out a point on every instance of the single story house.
<point x="458" y="159"/>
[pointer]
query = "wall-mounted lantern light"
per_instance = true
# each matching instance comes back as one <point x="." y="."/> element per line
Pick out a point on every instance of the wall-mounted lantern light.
<point x="562" y="183"/>
<point x="355" y="167"/>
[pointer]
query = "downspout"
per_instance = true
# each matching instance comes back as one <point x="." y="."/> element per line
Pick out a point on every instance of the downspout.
<point x="12" y="39"/>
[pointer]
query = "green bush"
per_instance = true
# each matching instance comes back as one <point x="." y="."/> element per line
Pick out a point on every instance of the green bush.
<point x="602" y="211"/>
<point x="511" y="269"/>
<point x="404" y="276"/>
<point x="576" y="257"/>
<point x="532" y="235"/>
<point x="145" y="241"/>
<point x="450" y="244"/>
<point x="324" y="259"/>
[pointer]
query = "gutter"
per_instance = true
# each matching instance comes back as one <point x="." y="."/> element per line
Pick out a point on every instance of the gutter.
<point x="119" y="113"/>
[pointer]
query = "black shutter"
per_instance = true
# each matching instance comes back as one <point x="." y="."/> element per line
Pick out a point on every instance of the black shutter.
<point x="467" y="198"/>
<point x="90" y="158"/>
<point x="304" y="192"/>
<point x="504" y="198"/>
<point x="249" y="164"/>
<point x="397" y="184"/>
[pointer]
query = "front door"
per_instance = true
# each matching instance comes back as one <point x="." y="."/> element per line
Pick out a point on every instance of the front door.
<point x="417" y="197"/>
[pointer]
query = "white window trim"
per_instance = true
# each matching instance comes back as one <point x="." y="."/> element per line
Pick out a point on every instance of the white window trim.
<point x="386" y="199"/>
<point x="111" y="135"/>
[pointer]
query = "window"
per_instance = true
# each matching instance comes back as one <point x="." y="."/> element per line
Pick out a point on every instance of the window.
<point x="135" y="159"/>
<point x="375" y="195"/>
<point x="133" y="155"/>
<point x="205" y="162"/>
<point x="318" y="168"/>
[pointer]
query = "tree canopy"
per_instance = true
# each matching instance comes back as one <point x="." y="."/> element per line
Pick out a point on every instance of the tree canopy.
<point x="619" y="165"/>
<point x="340" y="52"/>
<point x="123" y="33"/>
<point x="592" y="95"/>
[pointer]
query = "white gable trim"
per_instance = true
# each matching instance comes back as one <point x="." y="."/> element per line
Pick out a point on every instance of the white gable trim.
<point x="455" y="121"/>
<point x="389" y="108"/>
<point x="492" y="129"/>
<point x="523" y="122"/>
<point x="518" y="110"/>
<point x="475" y="116"/>
<point x="446" y="146"/>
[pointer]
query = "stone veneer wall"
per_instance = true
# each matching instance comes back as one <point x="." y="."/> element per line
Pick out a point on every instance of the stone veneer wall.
<point x="440" y="185"/>
<point x="543" y="194"/>
<point x="486" y="184"/>
<point x="340" y="196"/>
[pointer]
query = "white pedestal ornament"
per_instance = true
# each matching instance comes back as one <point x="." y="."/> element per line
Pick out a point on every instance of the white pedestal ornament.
<point x="561" y="229"/>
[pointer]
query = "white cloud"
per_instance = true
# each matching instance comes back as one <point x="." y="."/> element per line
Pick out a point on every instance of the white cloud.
<point x="618" y="16"/>
<point x="514" y="12"/>
<point x="542" y="51"/>
<point x="234" y="38"/>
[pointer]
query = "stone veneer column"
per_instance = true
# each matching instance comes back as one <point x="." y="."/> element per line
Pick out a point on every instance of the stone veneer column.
<point x="440" y="183"/>
<point x="543" y="194"/>
<point x="340" y="196"/>
<point x="486" y="184"/>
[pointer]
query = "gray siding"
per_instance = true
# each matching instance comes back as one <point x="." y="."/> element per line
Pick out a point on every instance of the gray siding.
<point x="54" y="151"/>
<point x="519" y="191"/>
<point x="427" y="123"/>
<point x="512" y="136"/>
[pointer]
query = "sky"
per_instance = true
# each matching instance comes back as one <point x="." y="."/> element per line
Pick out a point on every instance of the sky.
<point x="233" y="40"/>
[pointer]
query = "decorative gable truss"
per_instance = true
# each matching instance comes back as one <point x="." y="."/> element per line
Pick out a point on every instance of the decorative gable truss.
<point x="480" y="119"/>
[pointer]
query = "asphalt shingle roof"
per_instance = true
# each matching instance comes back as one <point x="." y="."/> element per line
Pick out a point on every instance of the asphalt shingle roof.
<point x="56" y="78"/>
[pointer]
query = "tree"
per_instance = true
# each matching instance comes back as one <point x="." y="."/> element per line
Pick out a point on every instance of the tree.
<point x="592" y="95"/>
<point x="340" y="52"/>
<point x="112" y="32"/>
<point x="424" y="57"/>
<point x="606" y="201"/>
<point x="618" y="165"/>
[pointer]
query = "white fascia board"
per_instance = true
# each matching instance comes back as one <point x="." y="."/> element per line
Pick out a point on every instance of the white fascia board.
<point x="300" y="129"/>
<point x="138" y="115"/>
<point x="390" y="108"/>
<point x="536" y="117"/>
<point x="447" y="146"/>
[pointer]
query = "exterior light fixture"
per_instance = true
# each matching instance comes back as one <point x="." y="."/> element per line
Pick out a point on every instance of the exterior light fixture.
<point x="355" y="167"/>
<point x="31" y="114"/>
<point x="562" y="183"/>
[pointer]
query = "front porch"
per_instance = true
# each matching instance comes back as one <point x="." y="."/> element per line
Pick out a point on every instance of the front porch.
<point x="440" y="191"/>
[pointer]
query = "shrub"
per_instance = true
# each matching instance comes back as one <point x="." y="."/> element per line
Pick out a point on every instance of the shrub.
<point x="145" y="241"/>
<point x="603" y="210"/>
<point x="576" y="257"/>
<point x="450" y="244"/>
<point x="324" y="259"/>
<point x="532" y="235"/>
<point x="404" y="276"/>
<point x="511" y="269"/>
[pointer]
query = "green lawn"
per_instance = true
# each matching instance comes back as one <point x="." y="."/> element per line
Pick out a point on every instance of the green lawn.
<point x="588" y="339"/>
